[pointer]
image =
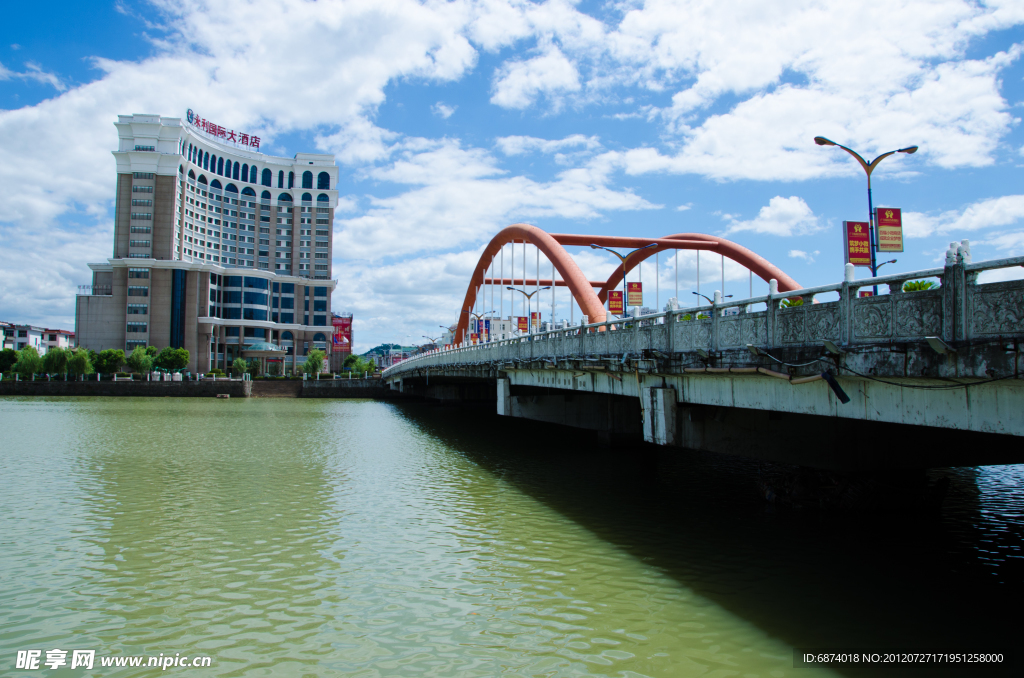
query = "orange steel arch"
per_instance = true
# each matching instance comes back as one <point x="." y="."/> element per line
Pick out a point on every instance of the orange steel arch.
<point x="590" y="302"/>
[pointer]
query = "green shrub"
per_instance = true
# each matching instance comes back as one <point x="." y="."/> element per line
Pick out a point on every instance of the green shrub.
<point x="109" y="360"/>
<point x="29" y="362"/>
<point x="55" y="361"/>
<point x="918" y="285"/>
<point x="80" y="363"/>
<point x="140" y="360"/>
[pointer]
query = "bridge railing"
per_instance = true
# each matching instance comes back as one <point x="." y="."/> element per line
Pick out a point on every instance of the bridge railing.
<point x="958" y="310"/>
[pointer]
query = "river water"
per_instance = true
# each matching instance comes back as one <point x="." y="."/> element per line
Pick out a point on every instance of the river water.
<point x="287" y="537"/>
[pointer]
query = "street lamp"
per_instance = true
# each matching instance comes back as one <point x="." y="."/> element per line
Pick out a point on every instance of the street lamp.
<point x="622" y="258"/>
<point x="529" y="307"/>
<point x="727" y="296"/>
<point x="891" y="261"/>
<point x="869" y="167"/>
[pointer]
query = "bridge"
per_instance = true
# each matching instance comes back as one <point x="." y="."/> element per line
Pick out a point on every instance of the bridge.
<point x="835" y="380"/>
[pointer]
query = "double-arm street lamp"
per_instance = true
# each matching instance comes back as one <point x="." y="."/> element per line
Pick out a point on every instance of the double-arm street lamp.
<point x="529" y="308"/>
<point x="622" y="259"/>
<point x="869" y="167"/>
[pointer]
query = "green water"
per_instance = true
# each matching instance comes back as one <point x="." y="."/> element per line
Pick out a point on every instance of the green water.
<point x="286" y="537"/>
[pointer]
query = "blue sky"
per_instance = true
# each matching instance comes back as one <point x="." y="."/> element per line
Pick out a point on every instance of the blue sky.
<point x="453" y="119"/>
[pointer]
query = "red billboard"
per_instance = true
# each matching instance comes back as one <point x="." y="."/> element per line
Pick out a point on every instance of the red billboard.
<point x="342" y="334"/>
<point x="535" y="319"/>
<point x="858" y="243"/>
<point x="522" y="323"/>
<point x="615" y="302"/>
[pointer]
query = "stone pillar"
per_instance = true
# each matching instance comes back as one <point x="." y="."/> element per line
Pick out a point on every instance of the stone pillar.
<point x="504" y="398"/>
<point x="659" y="410"/>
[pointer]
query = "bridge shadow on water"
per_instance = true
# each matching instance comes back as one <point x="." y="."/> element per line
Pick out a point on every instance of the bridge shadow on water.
<point x="910" y="576"/>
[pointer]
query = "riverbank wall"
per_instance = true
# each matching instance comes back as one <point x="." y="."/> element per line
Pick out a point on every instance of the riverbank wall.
<point x="131" y="389"/>
<point x="348" y="388"/>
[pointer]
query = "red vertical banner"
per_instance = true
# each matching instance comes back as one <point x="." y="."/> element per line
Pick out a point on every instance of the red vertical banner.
<point x="522" y="323"/>
<point x="342" y="334"/>
<point x="634" y="294"/>
<point x="535" y="319"/>
<point x="889" y="221"/>
<point x="474" y="337"/>
<point x="858" y="243"/>
<point x="615" y="302"/>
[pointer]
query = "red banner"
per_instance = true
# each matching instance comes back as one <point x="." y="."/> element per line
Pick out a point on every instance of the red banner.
<point x="615" y="302"/>
<point x="634" y="294"/>
<point x="522" y="323"/>
<point x="474" y="338"/>
<point x="858" y="243"/>
<point x="889" y="222"/>
<point x="535" y="319"/>
<point x="342" y="335"/>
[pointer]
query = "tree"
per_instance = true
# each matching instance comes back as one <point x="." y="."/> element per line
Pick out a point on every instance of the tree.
<point x="790" y="303"/>
<point x="29" y="362"/>
<point x="109" y="361"/>
<point x="56" y="361"/>
<point x="917" y="285"/>
<point x="172" y="359"/>
<point x="7" y="359"/>
<point x="80" y="363"/>
<point x="152" y="351"/>
<point x="140" y="361"/>
<point x="239" y="367"/>
<point x="314" y="362"/>
<point x="359" y="364"/>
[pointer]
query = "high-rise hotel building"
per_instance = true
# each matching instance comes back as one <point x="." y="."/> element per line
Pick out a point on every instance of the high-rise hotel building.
<point x="218" y="248"/>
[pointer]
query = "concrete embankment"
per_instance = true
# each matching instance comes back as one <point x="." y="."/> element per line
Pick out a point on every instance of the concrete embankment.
<point x="284" y="388"/>
<point x="143" y="389"/>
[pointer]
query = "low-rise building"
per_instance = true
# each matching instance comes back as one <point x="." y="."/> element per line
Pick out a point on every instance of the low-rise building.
<point x="58" y="339"/>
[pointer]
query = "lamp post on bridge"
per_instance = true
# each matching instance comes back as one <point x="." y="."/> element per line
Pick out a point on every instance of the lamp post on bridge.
<point x="869" y="167"/>
<point x="622" y="259"/>
<point x="529" y="307"/>
<point x="479" y="316"/>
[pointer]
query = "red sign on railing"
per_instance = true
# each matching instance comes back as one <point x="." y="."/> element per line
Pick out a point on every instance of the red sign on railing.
<point x="635" y="294"/>
<point x="889" y="222"/>
<point x="522" y="323"/>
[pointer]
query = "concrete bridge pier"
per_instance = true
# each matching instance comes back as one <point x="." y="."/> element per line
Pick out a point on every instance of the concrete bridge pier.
<point x="659" y="415"/>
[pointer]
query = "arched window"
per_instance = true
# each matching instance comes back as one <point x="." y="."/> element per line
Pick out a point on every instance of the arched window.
<point x="284" y="197"/>
<point x="202" y="179"/>
<point x="265" y="196"/>
<point x="248" y="191"/>
<point x="191" y="174"/>
<point x="286" y="336"/>
<point x="252" y="174"/>
<point x="234" y="174"/>
<point x="307" y="179"/>
<point x="268" y="177"/>
<point x="291" y="180"/>
<point x="190" y="152"/>
<point x="280" y="178"/>
<point x="306" y="197"/>
<point x="220" y="166"/>
<point x="181" y="170"/>
<point x="323" y="181"/>
<point x="245" y="172"/>
<point x="319" y="336"/>
<point x="231" y="188"/>
<point x="206" y="161"/>
<point x="323" y="198"/>
<point x="214" y="184"/>
<point x="213" y="164"/>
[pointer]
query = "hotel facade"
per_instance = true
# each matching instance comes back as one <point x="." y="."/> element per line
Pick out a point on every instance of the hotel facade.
<point x="217" y="247"/>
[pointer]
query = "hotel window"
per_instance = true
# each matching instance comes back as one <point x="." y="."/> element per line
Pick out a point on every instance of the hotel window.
<point x="143" y="175"/>
<point x="323" y="222"/>
<point x="142" y="189"/>
<point x="132" y="344"/>
<point x="138" y="273"/>
<point x="137" y="291"/>
<point x="142" y="215"/>
<point x="139" y="243"/>
<point x="321" y="267"/>
<point x="139" y="202"/>
<point x="288" y="318"/>
<point x="138" y="309"/>
<point x="142" y="229"/>
<point x="136" y="328"/>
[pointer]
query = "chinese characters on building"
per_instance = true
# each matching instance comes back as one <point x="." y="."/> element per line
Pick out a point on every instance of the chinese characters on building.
<point x="215" y="130"/>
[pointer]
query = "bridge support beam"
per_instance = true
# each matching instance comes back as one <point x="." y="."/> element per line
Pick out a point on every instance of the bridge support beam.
<point x="659" y="414"/>
<point x="504" y="398"/>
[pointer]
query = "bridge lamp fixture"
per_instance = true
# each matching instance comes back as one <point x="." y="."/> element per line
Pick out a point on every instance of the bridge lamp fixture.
<point x="868" y="167"/>
<point x="703" y="353"/>
<point x="753" y="349"/>
<point x="939" y="346"/>
<point x="622" y="258"/>
<point x="711" y="301"/>
<point x="891" y="261"/>
<point x="832" y="348"/>
<point x="529" y="307"/>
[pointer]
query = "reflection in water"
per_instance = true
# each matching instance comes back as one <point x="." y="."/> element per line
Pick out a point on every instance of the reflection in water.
<point x="311" y="537"/>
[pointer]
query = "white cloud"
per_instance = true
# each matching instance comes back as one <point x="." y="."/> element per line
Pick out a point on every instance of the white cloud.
<point x="1002" y="211"/>
<point x="683" y="208"/>
<point x="518" y="145"/>
<point x="34" y="72"/>
<point x="781" y="216"/>
<point x="442" y="110"/>
<point x="519" y="83"/>
<point x="806" y="256"/>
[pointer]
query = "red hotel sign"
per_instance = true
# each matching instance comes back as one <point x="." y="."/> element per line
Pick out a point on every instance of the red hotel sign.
<point x="218" y="131"/>
<point x="858" y="244"/>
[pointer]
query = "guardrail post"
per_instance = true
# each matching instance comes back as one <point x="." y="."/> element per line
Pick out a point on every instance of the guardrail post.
<point x="846" y="295"/>
<point x="770" y="308"/>
<point x="715" y="312"/>
<point x="949" y="296"/>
